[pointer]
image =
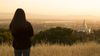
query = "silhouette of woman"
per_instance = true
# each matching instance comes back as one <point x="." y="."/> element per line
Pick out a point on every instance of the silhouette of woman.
<point x="22" y="32"/>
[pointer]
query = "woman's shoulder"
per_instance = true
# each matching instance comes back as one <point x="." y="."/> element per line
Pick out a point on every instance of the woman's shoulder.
<point x="28" y="25"/>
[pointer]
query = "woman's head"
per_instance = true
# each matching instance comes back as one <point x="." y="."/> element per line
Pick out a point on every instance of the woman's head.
<point x="19" y="15"/>
<point x="19" y="19"/>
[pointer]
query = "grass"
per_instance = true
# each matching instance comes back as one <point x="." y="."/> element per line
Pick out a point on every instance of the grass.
<point x="82" y="49"/>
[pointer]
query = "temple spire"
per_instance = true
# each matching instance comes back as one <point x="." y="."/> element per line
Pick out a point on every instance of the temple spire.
<point x="85" y="27"/>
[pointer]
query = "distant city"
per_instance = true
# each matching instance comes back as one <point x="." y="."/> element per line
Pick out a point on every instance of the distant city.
<point x="41" y="25"/>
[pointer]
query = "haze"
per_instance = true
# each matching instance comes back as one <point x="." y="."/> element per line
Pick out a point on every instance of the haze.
<point x="54" y="8"/>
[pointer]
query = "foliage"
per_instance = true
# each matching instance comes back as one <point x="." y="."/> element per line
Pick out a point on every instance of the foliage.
<point x="97" y="35"/>
<point x="5" y="35"/>
<point x="54" y="35"/>
<point x="58" y="35"/>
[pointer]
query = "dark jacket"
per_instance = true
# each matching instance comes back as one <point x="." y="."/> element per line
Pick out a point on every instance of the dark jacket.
<point x="22" y="37"/>
<point x="21" y="30"/>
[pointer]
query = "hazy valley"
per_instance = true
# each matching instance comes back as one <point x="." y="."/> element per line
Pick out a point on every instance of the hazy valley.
<point x="43" y="24"/>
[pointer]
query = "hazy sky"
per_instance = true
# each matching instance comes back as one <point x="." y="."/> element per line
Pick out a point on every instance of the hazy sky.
<point x="53" y="7"/>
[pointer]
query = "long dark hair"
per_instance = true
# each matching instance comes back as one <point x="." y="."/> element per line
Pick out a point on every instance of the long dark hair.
<point x="19" y="20"/>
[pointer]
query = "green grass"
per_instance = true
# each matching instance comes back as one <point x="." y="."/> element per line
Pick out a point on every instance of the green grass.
<point x="86" y="49"/>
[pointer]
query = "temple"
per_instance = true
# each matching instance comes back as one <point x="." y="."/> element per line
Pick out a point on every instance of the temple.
<point x="85" y="28"/>
<point x="84" y="32"/>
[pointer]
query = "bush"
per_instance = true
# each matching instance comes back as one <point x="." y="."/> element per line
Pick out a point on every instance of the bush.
<point x="5" y="35"/>
<point x="54" y="35"/>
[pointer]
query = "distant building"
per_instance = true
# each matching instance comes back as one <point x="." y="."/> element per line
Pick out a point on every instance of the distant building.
<point x="84" y="32"/>
<point x="85" y="28"/>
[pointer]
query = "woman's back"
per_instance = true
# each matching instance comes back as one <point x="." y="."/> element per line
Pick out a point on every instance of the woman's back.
<point x="21" y="30"/>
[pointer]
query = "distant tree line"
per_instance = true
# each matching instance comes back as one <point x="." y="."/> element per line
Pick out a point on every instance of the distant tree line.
<point x="57" y="35"/>
<point x="60" y="35"/>
<point x="97" y="35"/>
<point x="5" y="36"/>
<point x="54" y="35"/>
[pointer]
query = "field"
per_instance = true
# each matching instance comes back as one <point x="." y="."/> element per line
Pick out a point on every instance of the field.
<point x="82" y="49"/>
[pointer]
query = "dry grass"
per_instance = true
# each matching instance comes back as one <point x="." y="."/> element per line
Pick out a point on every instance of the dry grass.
<point x="86" y="49"/>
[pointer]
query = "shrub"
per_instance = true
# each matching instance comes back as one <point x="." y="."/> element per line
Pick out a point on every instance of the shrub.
<point x="54" y="35"/>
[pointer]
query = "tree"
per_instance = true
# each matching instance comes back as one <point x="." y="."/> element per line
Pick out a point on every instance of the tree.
<point x="54" y="35"/>
<point x="5" y="35"/>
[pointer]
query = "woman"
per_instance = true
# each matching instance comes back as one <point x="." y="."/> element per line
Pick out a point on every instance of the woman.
<point x="22" y="32"/>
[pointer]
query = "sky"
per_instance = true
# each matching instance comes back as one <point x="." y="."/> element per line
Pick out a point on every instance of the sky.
<point x="52" y="7"/>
